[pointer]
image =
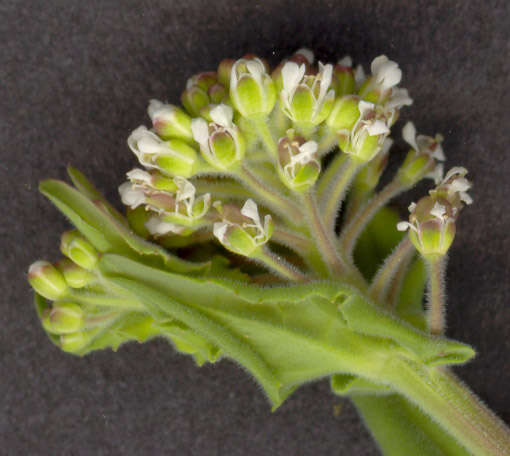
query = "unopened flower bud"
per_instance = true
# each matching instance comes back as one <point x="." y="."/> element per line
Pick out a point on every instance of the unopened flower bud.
<point x="169" y="121"/>
<point x="343" y="77"/>
<point x="431" y="225"/>
<point x="252" y="90"/>
<point x="74" y="275"/>
<point x="75" y="247"/>
<point x="46" y="280"/>
<point x="386" y="74"/>
<point x="306" y="99"/>
<point x="74" y="342"/>
<point x="194" y="99"/>
<point x="422" y="160"/>
<point x="368" y="177"/>
<point x="224" y="71"/>
<point x="241" y="231"/>
<point x="221" y="142"/>
<point x="344" y="114"/>
<point x="64" y="318"/>
<point x="298" y="165"/>
<point x="367" y="136"/>
<point x="174" y="157"/>
<point x="217" y="93"/>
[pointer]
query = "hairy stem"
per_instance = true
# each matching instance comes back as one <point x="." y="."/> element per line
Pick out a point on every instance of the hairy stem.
<point x="327" y="142"/>
<point x="332" y="199"/>
<point x="447" y="401"/>
<point x="324" y="238"/>
<point x="266" y="137"/>
<point x="386" y="274"/>
<point x="352" y="231"/>
<point x="436" y="296"/>
<point x="279" y="265"/>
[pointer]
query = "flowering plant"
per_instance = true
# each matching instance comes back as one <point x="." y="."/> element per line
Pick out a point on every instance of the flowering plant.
<point x="255" y="230"/>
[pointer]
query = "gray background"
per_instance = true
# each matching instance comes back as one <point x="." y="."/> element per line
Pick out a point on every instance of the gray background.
<point x="75" y="77"/>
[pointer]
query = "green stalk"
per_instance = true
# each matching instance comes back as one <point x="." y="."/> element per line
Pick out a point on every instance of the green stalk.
<point x="436" y="296"/>
<point x="279" y="265"/>
<point x="266" y="137"/>
<point x="447" y="401"/>
<point x="352" y="231"/>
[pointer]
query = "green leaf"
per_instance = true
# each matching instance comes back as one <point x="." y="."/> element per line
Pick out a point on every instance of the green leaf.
<point x="248" y="322"/>
<point x="364" y="317"/>
<point x="345" y="384"/>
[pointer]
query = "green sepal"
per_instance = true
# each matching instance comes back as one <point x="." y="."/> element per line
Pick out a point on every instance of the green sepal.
<point x="365" y="318"/>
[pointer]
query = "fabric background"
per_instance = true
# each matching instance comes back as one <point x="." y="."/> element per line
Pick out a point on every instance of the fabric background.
<point x="75" y="79"/>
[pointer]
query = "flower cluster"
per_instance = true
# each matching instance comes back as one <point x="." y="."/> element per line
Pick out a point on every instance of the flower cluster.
<point x="245" y="132"/>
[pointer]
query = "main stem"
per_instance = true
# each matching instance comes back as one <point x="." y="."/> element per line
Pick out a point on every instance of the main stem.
<point x="446" y="400"/>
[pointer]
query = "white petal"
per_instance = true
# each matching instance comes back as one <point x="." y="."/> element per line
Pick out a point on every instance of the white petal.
<point x="461" y="171"/>
<point x="409" y="135"/>
<point x="438" y="153"/>
<point x="412" y="207"/>
<point x="251" y="211"/>
<point x="154" y="105"/>
<point x="377" y="128"/>
<point x="399" y="98"/>
<point x="219" y="230"/>
<point x="359" y="75"/>
<point x="464" y="197"/>
<point x="345" y="61"/>
<point x="307" y="54"/>
<point x="388" y="142"/>
<point x="436" y="174"/>
<point x="326" y="72"/>
<point x="458" y="185"/>
<point x="377" y="63"/>
<point x="158" y="227"/>
<point x="308" y="148"/>
<point x="292" y="73"/>
<point x="438" y="211"/>
<point x="403" y="226"/>
<point x="150" y="144"/>
<point x="365" y="107"/>
<point x="386" y="72"/>
<point x="200" y="131"/>
<point x="132" y="197"/>
<point x="222" y="115"/>
<point x="139" y="175"/>
<point x="186" y="190"/>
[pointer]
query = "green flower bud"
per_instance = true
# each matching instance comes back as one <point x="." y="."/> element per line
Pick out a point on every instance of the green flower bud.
<point x="224" y="71"/>
<point x="252" y="91"/>
<point x="368" y="177"/>
<point x="174" y="157"/>
<point x="46" y="280"/>
<point x="194" y="99"/>
<point x="64" y="318"/>
<point x="74" y="275"/>
<point x="169" y="121"/>
<point x="421" y="160"/>
<point x="75" y="247"/>
<point x="221" y="142"/>
<point x="217" y="93"/>
<point x="431" y="225"/>
<point x="343" y="77"/>
<point x="367" y="136"/>
<point x="344" y="114"/>
<point x="306" y="99"/>
<point x="298" y="165"/>
<point x="241" y="231"/>
<point x="74" y="342"/>
<point x="137" y="219"/>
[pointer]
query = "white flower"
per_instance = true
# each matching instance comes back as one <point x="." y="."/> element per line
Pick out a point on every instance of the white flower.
<point x="145" y="144"/>
<point x="250" y="210"/>
<point x="205" y="135"/>
<point x="317" y="86"/>
<point x="385" y="72"/>
<point x="140" y="177"/>
<point x="306" y="154"/>
<point x="185" y="196"/>
<point x="455" y="182"/>
<point x="423" y="144"/>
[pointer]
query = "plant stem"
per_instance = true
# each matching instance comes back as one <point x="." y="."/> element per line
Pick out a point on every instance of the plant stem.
<point x="327" y="142"/>
<point x="266" y="137"/>
<point x="446" y="400"/>
<point x="330" y="173"/>
<point x="324" y="239"/>
<point x="351" y="232"/>
<point x="274" y="199"/>
<point x="436" y="296"/>
<point x="332" y="199"/>
<point x="280" y="266"/>
<point x="386" y="274"/>
<point x="292" y="239"/>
